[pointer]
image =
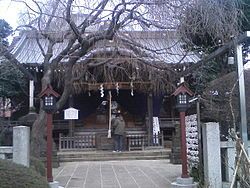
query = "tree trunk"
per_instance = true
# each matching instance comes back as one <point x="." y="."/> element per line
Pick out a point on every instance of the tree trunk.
<point x="38" y="139"/>
<point x="38" y="134"/>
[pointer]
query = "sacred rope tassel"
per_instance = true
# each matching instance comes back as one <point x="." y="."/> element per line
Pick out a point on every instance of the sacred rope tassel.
<point x="117" y="88"/>
<point x="101" y="90"/>
<point x="132" y="88"/>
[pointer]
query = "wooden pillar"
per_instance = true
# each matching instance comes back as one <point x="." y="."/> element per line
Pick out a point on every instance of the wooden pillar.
<point x="183" y="146"/>
<point x="49" y="148"/>
<point x="31" y="94"/>
<point x="150" y="117"/>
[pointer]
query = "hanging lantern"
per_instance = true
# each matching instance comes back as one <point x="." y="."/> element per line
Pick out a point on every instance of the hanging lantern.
<point x="49" y="96"/>
<point x="230" y="58"/>
<point x="182" y="94"/>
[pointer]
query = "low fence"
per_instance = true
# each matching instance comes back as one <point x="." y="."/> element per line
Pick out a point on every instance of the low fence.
<point x="79" y="142"/>
<point x="135" y="140"/>
<point x="140" y="141"/>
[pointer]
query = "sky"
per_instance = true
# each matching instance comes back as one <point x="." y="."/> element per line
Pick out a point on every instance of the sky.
<point x="9" y="11"/>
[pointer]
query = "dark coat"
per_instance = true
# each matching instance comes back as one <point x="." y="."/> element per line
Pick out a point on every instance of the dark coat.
<point x="118" y="125"/>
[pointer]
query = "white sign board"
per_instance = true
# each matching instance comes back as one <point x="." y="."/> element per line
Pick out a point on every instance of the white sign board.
<point x="71" y="113"/>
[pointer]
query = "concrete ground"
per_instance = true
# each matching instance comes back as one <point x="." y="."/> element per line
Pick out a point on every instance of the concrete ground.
<point x="117" y="174"/>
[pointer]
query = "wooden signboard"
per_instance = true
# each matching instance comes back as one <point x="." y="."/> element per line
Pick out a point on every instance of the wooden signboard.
<point x="71" y="113"/>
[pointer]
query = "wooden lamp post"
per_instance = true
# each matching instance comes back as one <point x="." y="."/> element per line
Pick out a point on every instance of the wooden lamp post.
<point x="48" y="95"/>
<point x="182" y="94"/>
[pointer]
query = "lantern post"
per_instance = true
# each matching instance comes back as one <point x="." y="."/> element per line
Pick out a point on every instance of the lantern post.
<point x="48" y="96"/>
<point x="182" y="95"/>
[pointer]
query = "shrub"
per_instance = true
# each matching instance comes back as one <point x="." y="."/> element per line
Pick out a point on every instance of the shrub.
<point x="38" y="166"/>
<point x="14" y="175"/>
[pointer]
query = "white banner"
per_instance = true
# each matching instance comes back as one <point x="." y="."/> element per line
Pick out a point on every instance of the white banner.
<point x="156" y="130"/>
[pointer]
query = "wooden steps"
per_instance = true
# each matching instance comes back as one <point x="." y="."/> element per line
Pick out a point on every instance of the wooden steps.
<point x="70" y="156"/>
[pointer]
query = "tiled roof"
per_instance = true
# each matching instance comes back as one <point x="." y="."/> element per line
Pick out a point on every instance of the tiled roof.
<point x="157" y="45"/>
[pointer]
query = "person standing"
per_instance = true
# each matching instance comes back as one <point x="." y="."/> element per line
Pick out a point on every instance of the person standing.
<point x="118" y="127"/>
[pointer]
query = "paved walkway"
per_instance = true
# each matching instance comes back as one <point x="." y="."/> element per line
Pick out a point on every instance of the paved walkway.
<point x="117" y="174"/>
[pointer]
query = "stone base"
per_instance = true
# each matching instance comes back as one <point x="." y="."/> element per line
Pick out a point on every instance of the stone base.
<point x="54" y="184"/>
<point x="184" y="182"/>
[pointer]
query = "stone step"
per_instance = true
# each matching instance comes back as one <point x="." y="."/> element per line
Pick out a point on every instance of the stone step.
<point x="109" y="155"/>
<point x="114" y="158"/>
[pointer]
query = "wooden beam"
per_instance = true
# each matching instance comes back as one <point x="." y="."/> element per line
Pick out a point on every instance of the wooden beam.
<point x="110" y="85"/>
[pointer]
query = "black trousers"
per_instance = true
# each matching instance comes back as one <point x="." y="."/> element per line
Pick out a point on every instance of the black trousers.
<point x="118" y="142"/>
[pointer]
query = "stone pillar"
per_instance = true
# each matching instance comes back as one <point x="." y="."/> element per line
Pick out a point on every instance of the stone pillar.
<point x="211" y="154"/>
<point x="21" y="145"/>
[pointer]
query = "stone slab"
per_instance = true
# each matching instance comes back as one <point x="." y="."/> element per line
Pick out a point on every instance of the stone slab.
<point x="6" y="149"/>
<point x="125" y="174"/>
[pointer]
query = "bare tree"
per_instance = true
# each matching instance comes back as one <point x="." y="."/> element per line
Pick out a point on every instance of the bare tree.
<point x="207" y="24"/>
<point x="79" y="29"/>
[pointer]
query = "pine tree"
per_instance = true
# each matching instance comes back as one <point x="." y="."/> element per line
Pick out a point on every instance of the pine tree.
<point x="5" y="31"/>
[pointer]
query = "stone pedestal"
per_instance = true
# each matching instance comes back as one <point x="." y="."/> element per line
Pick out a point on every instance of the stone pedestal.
<point x="184" y="182"/>
<point x="54" y="184"/>
<point x="21" y="145"/>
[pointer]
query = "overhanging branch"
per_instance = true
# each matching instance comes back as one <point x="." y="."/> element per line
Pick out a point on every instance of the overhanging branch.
<point x="220" y="51"/>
